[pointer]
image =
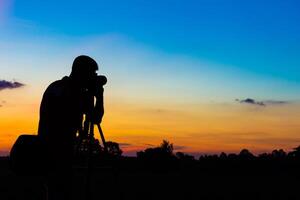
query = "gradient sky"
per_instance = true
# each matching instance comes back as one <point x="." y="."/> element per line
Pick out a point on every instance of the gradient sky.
<point x="175" y="69"/>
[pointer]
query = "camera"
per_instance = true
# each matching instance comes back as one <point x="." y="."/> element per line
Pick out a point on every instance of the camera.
<point x="96" y="83"/>
<point x="100" y="80"/>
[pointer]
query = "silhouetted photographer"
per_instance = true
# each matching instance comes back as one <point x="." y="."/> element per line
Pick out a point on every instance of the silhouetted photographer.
<point x="65" y="105"/>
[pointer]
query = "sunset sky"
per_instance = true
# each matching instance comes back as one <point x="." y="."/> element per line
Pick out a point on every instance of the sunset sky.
<point x="207" y="75"/>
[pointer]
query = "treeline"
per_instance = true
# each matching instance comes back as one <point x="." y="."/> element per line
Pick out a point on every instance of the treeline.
<point x="165" y="151"/>
<point x="164" y="158"/>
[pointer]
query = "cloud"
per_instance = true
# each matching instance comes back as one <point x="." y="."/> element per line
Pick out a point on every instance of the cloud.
<point x="262" y="103"/>
<point x="178" y="148"/>
<point x="124" y="144"/>
<point x="149" y="145"/>
<point x="273" y="102"/>
<point x="251" y="101"/>
<point x="10" y="85"/>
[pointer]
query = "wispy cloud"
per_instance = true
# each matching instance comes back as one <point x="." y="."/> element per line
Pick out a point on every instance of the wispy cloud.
<point x="10" y="84"/>
<point x="178" y="148"/>
<point x="261" y="103"/>
<point x="124" y="144"/>
<point x="149" y="145"/>
<point x="274" y="102"/>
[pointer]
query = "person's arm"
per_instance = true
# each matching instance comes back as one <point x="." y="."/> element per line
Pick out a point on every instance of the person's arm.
<point x="99" y="107"/>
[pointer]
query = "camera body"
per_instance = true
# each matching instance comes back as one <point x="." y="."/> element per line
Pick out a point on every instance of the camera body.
<point x="100" y="80"/>
<point x="96" y="84"/>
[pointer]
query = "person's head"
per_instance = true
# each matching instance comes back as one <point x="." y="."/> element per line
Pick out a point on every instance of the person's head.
<point x="83" y="69"/>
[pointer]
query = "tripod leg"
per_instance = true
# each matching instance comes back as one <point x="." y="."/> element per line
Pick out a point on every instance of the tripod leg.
<point x="88" y="194"/>
<point x="102" y="137"/>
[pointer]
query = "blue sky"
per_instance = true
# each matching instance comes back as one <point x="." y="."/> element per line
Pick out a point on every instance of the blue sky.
<point x="259" y="36"/>
<point x="240" y="45"/>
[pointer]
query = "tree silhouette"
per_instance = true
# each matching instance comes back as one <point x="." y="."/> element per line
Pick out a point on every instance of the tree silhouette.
<point x="163" y="152"/>
<point x="278" y="154"/>
<point x="223" y="156"/>
<point x="184" y="157"/>
<point x="295" y="153"/>
<point x="246" y="154"/>
<point x="167" y="147"/>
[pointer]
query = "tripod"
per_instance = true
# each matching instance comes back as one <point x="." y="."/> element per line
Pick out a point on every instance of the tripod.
<point x="90" y="151"/>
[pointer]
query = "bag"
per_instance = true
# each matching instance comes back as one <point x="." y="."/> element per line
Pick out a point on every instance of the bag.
<point x="28" y="155"/>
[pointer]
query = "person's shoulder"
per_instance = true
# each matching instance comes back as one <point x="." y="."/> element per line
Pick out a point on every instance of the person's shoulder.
<point x="60" y="82"/>
<point x="58" y="85"/>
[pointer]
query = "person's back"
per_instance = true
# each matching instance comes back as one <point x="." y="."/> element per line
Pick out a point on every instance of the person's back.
<point x="60" y="118"/>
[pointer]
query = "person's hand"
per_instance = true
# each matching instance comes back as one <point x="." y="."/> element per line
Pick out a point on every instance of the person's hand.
<point x="99" y="92"/>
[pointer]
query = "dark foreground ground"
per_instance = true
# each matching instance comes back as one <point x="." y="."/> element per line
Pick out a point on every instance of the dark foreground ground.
<point x="133" y="179"/>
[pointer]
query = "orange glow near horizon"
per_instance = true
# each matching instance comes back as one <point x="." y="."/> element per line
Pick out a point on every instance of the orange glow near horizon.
<point x="196" y="128"/>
